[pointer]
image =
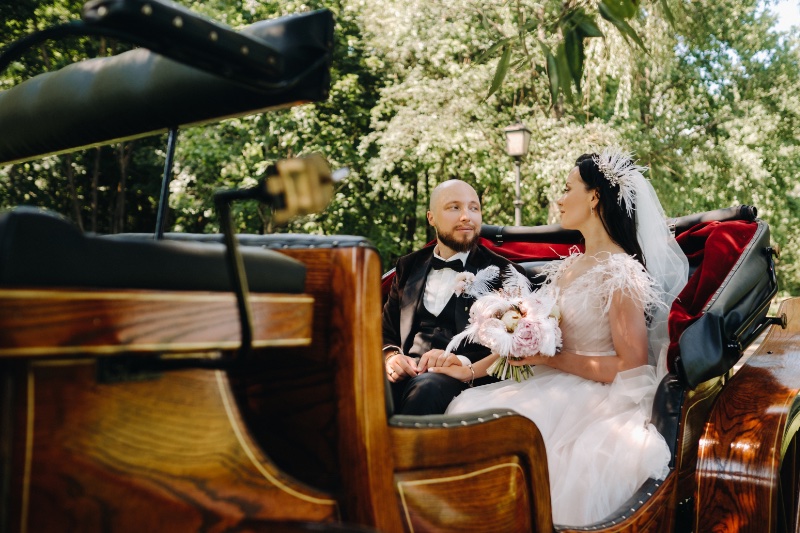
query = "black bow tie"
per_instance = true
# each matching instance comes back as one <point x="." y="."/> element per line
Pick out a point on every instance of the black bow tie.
<point x="438" y="264"/>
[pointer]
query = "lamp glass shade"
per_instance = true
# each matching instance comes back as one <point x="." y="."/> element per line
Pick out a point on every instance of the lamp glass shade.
<point x="518" y="137"/>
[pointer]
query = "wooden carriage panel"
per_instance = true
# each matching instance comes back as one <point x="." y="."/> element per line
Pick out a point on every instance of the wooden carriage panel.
<point x="697" y="404"/>
<point x="742" y="448"/>
<point x="342" y="373"/>
<point x="165" y="453"/>
<point x="500" y="478"/>
<point x="91" y="449"/>
<point x="45" y="323"/>
<point x="436" y="499"/>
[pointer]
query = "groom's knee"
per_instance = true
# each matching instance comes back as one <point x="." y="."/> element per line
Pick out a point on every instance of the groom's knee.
<point x="429" y="394"/>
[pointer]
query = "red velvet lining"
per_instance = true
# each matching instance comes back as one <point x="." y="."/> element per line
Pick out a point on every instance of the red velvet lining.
<point x="722" y="243"/>
<point x="514" y="251"/>
<point x="530" y="251"/>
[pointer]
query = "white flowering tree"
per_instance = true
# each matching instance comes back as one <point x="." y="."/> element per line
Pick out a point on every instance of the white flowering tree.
<point x="703" y="92"/>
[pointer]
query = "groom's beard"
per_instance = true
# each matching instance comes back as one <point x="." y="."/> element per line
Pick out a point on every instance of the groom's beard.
<point x="463" y="245"/>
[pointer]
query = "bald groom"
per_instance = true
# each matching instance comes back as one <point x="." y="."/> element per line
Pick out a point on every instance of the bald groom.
<point x="423" y="313"/>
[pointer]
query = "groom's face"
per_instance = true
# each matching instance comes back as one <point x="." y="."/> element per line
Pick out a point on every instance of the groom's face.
<point x="456" y="215"/>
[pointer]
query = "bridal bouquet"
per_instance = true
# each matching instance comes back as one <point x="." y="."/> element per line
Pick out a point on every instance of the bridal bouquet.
<point x="514" y="322"/>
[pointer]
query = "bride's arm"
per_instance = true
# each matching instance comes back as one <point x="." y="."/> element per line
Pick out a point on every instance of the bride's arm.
<point x="629" y="335"/>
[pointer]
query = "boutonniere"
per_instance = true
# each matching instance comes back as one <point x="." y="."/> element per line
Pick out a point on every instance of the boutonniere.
<point x="464" y="281"/>
<point x="475" y="285"/>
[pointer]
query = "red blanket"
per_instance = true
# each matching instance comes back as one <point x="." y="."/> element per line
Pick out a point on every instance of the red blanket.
<point x="712" y="247"/>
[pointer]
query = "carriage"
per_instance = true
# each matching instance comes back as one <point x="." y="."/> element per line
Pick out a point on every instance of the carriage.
<point x="188" y="382"/>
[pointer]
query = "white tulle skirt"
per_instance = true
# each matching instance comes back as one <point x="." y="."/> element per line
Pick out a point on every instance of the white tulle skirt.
<point x="600" y="444"/>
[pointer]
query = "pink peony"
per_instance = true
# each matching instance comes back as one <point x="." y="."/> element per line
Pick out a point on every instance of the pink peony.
<point x="527" y="339"/>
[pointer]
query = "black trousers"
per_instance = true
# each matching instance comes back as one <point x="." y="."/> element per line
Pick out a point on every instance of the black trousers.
<point x="425" y="394"/>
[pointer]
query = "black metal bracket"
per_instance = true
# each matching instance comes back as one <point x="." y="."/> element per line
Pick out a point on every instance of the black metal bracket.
<point x="780" y="320"/>
<point x="738" y="346"/>
<point x="163" y="202"/>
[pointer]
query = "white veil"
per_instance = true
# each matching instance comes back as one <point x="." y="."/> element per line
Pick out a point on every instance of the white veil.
<point x="665" y="261"/>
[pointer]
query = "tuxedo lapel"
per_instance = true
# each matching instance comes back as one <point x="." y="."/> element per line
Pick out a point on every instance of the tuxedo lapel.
<point x="411" y="298"/>
<point x="412" y="293"/>
<point x="476" y="260"/>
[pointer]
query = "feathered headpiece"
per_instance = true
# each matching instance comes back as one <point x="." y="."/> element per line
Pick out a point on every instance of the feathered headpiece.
<point x="619" y="169"/>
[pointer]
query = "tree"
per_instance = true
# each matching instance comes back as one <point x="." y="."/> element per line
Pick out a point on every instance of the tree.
<point x="421" y="92"/>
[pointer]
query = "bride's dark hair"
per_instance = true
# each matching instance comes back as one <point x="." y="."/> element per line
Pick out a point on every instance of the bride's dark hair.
<point x="615" y="219"/>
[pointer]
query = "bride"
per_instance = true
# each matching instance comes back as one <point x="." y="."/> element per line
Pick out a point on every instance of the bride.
<point x="592" y="400"/>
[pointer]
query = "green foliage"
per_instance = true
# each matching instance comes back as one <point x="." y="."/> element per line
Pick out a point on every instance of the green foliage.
<point x="703" y="92"/>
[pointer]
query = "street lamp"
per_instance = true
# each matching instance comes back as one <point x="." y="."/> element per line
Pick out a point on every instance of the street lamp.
<point x="517" y="139"/>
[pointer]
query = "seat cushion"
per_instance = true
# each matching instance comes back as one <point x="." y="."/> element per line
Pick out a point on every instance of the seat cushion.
<point x="42" y="249"/>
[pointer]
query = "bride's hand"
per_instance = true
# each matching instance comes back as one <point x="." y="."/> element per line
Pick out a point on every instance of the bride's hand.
<point x="437" y="358"/>
<point x="458" y="371"/>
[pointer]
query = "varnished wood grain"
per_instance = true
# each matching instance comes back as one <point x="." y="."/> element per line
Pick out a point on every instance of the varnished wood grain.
<point x="168" y="454"/>
<point x="345" y="361"/>
<point x="365" y="447"/>
<point x="44" y="323"/>
<point x="287" y="396"/>
<point x="436" y="453"/>
<point x="740" y="451"/>
<point x="697" y="404"/>
<point x="497" y="494"/>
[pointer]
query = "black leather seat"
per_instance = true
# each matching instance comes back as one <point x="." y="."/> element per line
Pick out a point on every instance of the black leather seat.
<point x="42" y="249"/>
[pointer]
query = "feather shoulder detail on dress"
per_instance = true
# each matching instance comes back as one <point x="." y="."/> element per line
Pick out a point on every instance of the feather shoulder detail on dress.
<point x="621" y="272"/>
<point x="616" y="272"/>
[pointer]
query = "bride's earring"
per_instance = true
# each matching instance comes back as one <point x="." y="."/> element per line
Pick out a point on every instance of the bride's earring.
<point x="591" y="210"/>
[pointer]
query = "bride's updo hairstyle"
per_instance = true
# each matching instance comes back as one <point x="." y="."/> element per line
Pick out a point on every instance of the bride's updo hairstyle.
<point x="620" y="226"/>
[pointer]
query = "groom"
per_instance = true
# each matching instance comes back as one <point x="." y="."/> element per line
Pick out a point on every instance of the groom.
<point x="422" y="313"/>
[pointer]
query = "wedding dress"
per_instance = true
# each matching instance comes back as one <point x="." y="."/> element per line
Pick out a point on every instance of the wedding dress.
<point x="600" y="444"/>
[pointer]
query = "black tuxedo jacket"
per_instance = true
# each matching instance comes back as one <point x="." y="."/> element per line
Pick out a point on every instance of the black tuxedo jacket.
<point x="408" y="288"/>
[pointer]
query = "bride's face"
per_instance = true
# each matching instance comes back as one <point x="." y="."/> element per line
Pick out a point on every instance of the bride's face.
<point x="576" y="204"/>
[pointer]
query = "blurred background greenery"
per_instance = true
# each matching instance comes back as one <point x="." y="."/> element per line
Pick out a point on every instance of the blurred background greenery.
<point x="704" y="92"/>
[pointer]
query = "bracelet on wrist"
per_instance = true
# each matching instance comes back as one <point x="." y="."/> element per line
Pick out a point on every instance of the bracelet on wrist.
<point x="390" y="355"/>
<point x="471" y="381"/>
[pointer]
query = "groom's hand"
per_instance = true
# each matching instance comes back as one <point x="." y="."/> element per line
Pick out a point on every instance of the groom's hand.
<point x="400" y="367"/>
<point x="437" y="358"/>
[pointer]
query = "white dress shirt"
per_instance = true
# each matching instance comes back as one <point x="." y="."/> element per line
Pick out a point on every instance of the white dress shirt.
<point x="439" y="289"/>
<point x="440" y="284"/>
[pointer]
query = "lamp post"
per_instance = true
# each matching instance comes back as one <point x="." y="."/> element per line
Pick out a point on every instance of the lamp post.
<point x="518" y="137"/>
